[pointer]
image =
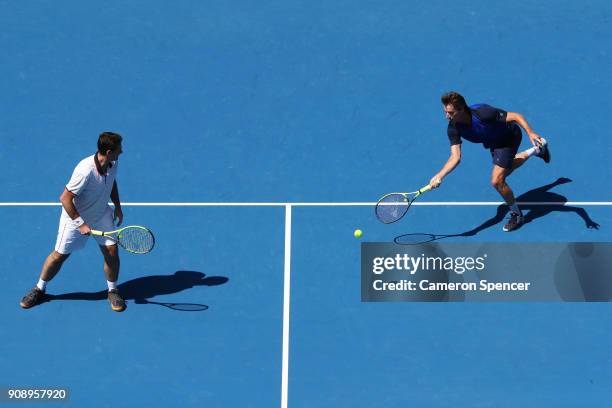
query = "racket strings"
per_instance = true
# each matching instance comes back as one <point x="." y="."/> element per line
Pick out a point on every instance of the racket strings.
<point x="138" y="240"/>
<point x="392" y="207"/>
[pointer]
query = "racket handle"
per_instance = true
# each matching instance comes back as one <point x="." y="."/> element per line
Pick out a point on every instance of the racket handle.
<point x="425" y="189"/>
<point x="98" y="233"/>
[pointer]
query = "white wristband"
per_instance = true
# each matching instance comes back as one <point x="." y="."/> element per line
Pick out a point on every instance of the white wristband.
<point x="79" y="221"/>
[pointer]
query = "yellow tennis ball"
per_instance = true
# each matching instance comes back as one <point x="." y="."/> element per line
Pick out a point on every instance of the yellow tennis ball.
<point x="358" y="233"/>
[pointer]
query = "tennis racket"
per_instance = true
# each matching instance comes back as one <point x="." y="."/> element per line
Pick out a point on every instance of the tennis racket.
<point x="393" y="206"/>
<point x="134" y="238"/>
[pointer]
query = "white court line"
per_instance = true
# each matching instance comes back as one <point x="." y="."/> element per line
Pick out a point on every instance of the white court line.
<point x="320" y="204"/>
<point x="286" y="308"/>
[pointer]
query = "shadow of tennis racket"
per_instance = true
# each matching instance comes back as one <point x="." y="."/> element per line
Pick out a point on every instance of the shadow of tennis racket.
<point x="183" y="307"/>
<point x="422" y="238"/>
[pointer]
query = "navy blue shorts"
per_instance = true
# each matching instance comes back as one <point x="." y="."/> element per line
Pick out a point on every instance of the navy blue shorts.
<point x="503" y="156"/>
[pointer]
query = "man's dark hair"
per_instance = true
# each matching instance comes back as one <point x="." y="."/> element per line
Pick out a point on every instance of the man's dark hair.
<point x="456" y="100"/>
<point x="109" y="141"/>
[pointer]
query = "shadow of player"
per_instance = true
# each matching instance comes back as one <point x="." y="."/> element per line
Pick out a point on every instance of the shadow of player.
<point x="141" y="290"/>
<point x="528" y="200"/>
<point x="533" y="203"/>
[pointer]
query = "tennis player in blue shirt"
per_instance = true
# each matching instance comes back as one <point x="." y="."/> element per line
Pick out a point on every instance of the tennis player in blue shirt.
<point x="499" y="132"/>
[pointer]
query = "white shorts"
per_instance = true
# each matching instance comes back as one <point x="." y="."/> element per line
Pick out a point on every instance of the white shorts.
<point x="69" y="239"/>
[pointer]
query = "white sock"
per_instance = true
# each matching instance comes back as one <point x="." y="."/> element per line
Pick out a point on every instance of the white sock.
<point x="534" y="150"/>
<point x="515" y="209"/>
<point x="42" y="285"/>
<point x="111" y="285"/>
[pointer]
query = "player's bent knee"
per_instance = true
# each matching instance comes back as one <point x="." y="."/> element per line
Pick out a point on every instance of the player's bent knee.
<point x="498" y="183"/>
<point x="58" y="257"/>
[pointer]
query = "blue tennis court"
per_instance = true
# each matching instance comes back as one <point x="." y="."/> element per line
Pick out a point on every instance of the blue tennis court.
<point x="257" y="138"/>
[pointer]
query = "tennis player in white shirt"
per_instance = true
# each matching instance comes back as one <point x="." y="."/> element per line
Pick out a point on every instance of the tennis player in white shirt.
<point x="85" y="207"/>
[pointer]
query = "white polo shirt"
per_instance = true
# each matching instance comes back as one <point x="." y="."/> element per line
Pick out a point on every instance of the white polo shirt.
<point x="92" y="189"/>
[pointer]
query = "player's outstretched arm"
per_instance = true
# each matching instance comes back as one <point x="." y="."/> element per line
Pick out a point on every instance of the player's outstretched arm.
<point x="450" y="165"/>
